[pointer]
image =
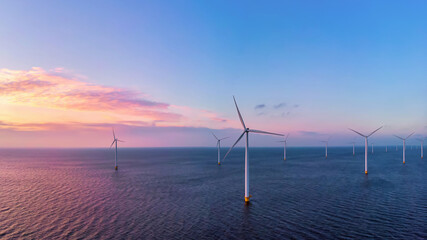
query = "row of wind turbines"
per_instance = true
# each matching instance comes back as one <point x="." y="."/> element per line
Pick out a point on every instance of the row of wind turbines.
<point x="247" y="130"/>
<point x="245" y="134"/>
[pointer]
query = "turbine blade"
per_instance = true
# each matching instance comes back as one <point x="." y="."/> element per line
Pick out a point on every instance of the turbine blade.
<point x="409" y="135"/>
<point x="263" y="132"/>
<point x="114" y="135"/>
<point x="398" y="137"/>
<point x="240" y="115"/>
<point x="287" y="137"/>
<point x="112" y="143"/>
<point x="214" y="135"/>
<point x="357" y="132"/>
<point x="120" y="140"/>
<point x="223" y="138"/>
<point x="375" y="131"/>
<point x="234" y="145"/>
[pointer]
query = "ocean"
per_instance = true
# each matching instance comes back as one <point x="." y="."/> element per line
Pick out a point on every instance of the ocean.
<point x="182" y="193"/>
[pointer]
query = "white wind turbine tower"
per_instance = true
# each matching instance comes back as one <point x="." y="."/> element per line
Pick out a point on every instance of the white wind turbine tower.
<point x="218" y="144"/>
<point x="372" y="144"/>
<point x="404" y="146"/>
<point x="366" y="145"/>
<point x="246" y="132"/>
<point x="326" y="147"/>
<point x="115" y="140"/>
<point x="284" y="147"/>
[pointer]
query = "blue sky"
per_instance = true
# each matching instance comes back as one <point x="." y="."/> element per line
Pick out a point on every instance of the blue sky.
<point x="325" y="65"/>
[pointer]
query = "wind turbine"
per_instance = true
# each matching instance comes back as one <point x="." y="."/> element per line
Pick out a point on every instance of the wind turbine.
<point x="372" y="144"/>
<point x="366" y="145"/>
<point x="246" y="132"/>
<point x="218" y="144"/>
<point x="115" y="140"/>
<point x="284" y="148"/>
<point x="326" y="147"/>
<point x="385" y="148"/>
<point x="422" y="142"/>
<point x="353" y="148"/>
<point x="404" y="146"/>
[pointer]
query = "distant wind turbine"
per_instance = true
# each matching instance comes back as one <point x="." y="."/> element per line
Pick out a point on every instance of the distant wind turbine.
<point x="353" y="147"/>
<point x="218" y="144"/>
<point x="422" y="142"/>
<point x="404" y="146"/>
<point x="385" y="148"/>
<point x="115" y="140"/>
<point x="246" y="132"/>
<point x="372" y="144"/>
<point x="326" y="147"/>
<point x="366" y="145"/>
<point x="284" y="147"/>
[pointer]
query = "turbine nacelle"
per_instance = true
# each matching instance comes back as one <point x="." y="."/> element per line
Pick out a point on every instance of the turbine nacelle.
<point x="404" y="138"/>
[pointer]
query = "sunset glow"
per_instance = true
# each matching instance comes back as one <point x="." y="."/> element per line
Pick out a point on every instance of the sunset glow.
<point x="164" y="75"/>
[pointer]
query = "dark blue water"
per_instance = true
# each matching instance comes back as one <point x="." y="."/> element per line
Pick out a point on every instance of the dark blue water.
<point x="184" y="194"/>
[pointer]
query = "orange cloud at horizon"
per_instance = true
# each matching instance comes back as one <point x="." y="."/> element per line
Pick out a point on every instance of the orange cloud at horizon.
<point x="39" y="100"/>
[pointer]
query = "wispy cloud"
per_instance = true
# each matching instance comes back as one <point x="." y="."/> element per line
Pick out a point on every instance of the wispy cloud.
<point x="280" y="109"/>
<point x="260" y="106"/>
<point x="310" y="133"/>
<point x="280" y="105"/>
<point x="41" y="88"/>
<point x="284" y="114"/>
<point x="51" y="126"/>
<point x="58" y="89"/>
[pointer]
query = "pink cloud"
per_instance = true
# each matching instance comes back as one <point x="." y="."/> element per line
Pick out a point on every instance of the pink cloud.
<point x="53" y="90"/>
<point x="50" y="92"/>
<point x="50" y="126"/>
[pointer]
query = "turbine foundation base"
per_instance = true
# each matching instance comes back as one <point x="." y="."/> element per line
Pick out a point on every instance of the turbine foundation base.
<point x="116" y="168"/>
<point x="366" y="172"/>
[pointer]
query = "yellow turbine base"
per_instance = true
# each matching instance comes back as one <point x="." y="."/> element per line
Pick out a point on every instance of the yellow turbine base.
<point x="247" y="198"/>
<point x="366" y="172"/>
<point x="116" y="167"/>
<point x="219" y="163"/>
<point x="284" y="158"/>
<point x="403" y="162"/>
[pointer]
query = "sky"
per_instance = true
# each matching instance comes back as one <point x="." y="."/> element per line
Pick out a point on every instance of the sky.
<point x="164" y="73"/>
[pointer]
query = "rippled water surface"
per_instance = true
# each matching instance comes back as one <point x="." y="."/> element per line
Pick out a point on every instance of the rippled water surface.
<point x="184" y="194"/>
